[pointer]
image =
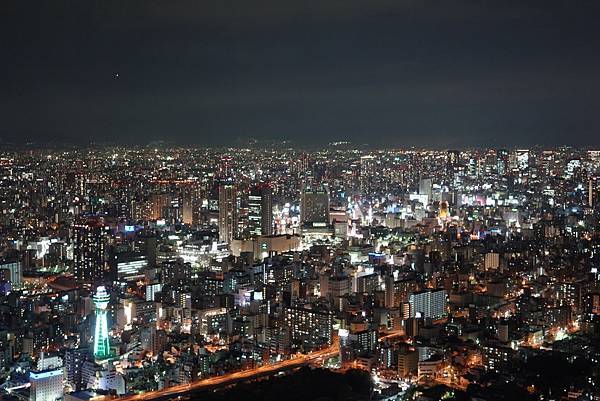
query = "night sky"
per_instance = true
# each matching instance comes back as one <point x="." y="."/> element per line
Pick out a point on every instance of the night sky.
<point x="399" y="73"/>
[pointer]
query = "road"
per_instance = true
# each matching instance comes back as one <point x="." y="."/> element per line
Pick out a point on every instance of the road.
<point x="235" y="377"/>
<point x="391" y="334"/>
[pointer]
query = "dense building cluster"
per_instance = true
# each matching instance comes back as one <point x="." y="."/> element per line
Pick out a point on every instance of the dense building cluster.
<point x="129" y="270"/>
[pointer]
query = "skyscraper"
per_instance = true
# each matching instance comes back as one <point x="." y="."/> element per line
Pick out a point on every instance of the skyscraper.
<point x="74" y="360"/>
<point x="187" y="206"/>
<point x="228" y="220"/>
<point x="260" y="211"/>
<point x="101" y="343"/>
<point x="592" y="188"/>
<point x="453" y="160"/>
<point x="314" y="205"/>
<point x="89" y="243"/>
<point x="426" y="187"/>
<point x="368" y="169"/>
<point x="14" y="271"/>
<point x="159" y="204"/>
<point x="502" y="158"/>
<point x="522" y="156"/>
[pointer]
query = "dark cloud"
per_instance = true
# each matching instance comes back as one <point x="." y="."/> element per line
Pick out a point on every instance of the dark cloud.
<point x="434" y="73"/>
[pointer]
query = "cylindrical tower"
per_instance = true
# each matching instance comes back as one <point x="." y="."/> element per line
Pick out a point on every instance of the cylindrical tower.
<point x="101" y="344"/>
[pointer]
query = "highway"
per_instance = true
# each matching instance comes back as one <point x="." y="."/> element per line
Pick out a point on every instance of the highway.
<point x="391" y="334"/>
<point x="230" y="378"/>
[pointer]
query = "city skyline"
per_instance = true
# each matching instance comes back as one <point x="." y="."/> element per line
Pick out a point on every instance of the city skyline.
<point x="139" y="273"/>
<point x="362" y="200"/>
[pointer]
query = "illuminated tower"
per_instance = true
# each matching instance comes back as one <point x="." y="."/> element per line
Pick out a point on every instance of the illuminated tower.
<point x="101" y="345"/>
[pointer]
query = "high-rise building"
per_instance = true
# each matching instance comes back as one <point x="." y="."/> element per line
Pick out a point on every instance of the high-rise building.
<point x="146" y="242"/>
<point x="89" y="244"/>
<point x="453" y="161"/>
<point x="128" y="266"/>
<point x="260" y="211"/>
<point x="266" y="213"/>
<point x="46" y="382"/>
<point x="74" y="360"/>
<point x="491" y="261"/>
<point x="572" y="168"/>
<point x="228" y="211"/>
<point x="429" y="303"/>
<point x="176" y="272"/>
<point x="14" y="272"/>
<point x="426" y="188"/>
<point x="309" y="327"/>
<point x="46" y="385"/>
<point x="105" y="377"/>
<point x="101" y="342"/>
<point x="304" y="166"/>
<point x="408" y="360"/>
<point x="187" y="206"/>
<point x="7" y="348"/>
<point x="152" y="290"/>
<point x="314" y="205"/>
<point x="502" y="162"/>
<point x="592" y="191"/>
<point x="153" y="340"/>
<point x="522" y="156"/>
<point x="473" y="167"/>
<point x="368" y="170"/>
<point x="159" y="203"/>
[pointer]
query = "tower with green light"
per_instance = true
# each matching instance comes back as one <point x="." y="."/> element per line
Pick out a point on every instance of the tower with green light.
<point x="101" y="344"/>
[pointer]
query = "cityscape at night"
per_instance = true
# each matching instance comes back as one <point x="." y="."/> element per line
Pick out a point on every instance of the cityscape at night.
<point x="308" y="201"/>
<point x="155" y="272"/>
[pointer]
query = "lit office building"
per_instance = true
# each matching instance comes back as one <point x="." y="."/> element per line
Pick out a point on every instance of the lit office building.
<point x="522" y="159"/>
<point x="453" y="162"/>
<point x="502" y="162"/>
<point x="46" y="382"/>
<point x="89" y="243"/>
<point x="426" y="188"/>
<point x="368" y="169"/>
<point x="176" y="272"/>
<point x="159" y="204"/>
<point x="46" y="385"/>
<point x="128" y="266"/>
<point x="228" y="212"/>
<point x="152" y="290"/>
<point x="187" y="203"/>
<point x="310" y="327"/>
<point x="74" y="361"/>
<point x="14" y="272"/>
<point x="408" y="360"/>
<point x="314" y="207"/>
<point x="260" y="211"/>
